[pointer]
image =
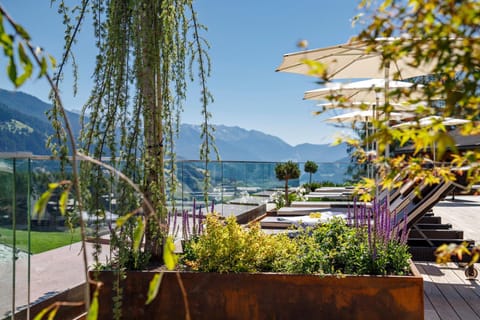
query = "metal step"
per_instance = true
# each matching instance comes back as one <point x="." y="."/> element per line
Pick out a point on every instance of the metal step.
<point x="443" y="226"/>
<point x="430" y="220"/>
<point x="436" y="234"/>
<point x="421" y="242"/>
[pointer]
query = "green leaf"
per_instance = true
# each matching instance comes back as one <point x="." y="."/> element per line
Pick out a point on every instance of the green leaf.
<point x="41" y="204"/>
<point x="63" y="202"/>
<point x="121" y="220"/>
<point x="53" y="62"/>
<point x="93" y="310"/>
<point x="385" y="5"/>
<point x="28" y="69"/>
<point x="22" y="32"/>
<point x="53" y="185"/>
<point x="444" y="143"/>
<point x="12" y="70"/>
<point x="153" y="287"/>
<point x="43" y="67"/>
<point x="7" y="44"/>
<point x="169" y="256"/>
<point x="40" y="315"/>
<point x="23" y="55"/>
<point x="138" y="234"/>
<point x="316" y="68"/>
<point x="26" y="64"/>
<point x="53" y="313"/>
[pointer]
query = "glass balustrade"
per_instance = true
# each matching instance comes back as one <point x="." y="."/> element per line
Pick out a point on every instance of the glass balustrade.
<point x="26" y="237"/>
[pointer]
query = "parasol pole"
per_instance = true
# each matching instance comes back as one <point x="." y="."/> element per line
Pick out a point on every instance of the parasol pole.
<point x="386" y="98"/>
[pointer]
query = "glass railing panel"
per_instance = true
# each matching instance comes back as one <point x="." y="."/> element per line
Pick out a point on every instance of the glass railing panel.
<point x="56" y="262"/>
<point x="52" y="239"/>
<point x="7" y="238"/>
<point x="327" y="172"/>
<point x="234" y="174"/>
<point x="21" y="209"/>
<point x="190" y="176"/>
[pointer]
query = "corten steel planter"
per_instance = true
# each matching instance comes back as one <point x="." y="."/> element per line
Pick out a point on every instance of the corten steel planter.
<point x="267" y="296"/>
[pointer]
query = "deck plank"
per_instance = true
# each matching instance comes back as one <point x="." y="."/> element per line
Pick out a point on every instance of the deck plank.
<point x="474" y="285"/>
<point x="468" y="289"/>
<point x="454" y="290"/>
<point x="433" y="293"/>
<point x="429" y="310"/>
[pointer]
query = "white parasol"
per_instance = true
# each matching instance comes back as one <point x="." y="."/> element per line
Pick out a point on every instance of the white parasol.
<point x="363" y="91"/>
<point x="355" y="60"/>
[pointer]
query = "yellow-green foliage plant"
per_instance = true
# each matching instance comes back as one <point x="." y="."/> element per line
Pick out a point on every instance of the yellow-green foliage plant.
<point x="226" y="246"/>
<point x="446" y="34"/>
<point x="440" y="34"/>
<point x="331" y="248"/>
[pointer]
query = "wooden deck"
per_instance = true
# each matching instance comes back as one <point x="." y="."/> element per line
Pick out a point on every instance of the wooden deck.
<point x="448" y="293"/>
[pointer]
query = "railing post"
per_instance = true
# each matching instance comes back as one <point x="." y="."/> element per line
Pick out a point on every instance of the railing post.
<point x="29" y="229"/>
<point x="14" y="230"/>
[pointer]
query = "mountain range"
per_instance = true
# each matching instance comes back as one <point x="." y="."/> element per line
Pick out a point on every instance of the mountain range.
<point x="24" y="127"/>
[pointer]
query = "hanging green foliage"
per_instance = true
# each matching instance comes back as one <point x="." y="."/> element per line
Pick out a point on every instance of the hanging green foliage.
<point x="147" y="52"/>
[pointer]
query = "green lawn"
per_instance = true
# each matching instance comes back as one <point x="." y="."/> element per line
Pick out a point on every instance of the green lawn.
<point x="40" y="240"/>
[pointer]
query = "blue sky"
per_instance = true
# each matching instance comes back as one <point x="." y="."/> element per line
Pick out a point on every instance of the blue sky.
<point x="248" y="39"/>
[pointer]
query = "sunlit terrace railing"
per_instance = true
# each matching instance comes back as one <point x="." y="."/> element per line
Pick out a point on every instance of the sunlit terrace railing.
<point x="24" y="177"/>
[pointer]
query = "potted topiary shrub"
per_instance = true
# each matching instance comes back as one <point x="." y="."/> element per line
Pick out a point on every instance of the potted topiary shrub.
<point x="286" y="171"/>
<point x="310" y="167"/>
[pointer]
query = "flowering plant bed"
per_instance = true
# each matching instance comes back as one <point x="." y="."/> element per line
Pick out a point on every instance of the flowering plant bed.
<point x="333" y="271"/>
<point x="211" y="295"/>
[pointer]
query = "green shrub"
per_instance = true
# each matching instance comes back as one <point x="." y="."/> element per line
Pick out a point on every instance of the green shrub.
<point x="225" y="246"/>
<point x="336" y="248"/>
<point x="330" y="248"/>
<point x="312" y="186"/>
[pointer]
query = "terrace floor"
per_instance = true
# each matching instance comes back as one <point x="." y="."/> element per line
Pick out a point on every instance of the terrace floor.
<point x="448" y="293"/>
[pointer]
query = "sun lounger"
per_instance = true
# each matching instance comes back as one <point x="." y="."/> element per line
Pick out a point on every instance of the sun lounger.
<point x="280" y="222"/>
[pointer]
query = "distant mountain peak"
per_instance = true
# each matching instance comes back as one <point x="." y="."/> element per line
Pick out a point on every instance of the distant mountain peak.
<point x="236" y="143"/>
<point x="21" y="113"/>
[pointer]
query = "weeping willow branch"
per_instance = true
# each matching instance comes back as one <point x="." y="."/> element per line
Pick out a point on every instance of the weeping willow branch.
<point x="133" y="113"/>
<point x="207" y="129"/>
<point x="59" y="148"/>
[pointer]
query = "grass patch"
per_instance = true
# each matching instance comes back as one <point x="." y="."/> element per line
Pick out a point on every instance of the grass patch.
<point x="40" y="240"/>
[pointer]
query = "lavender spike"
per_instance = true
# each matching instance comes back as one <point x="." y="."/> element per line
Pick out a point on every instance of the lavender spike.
<point x="369" y="233"/>
<point x="200" y="223"/>
<point x="201" y="219"/>
<point x="404" y="231"/>
<point x="188" y="225"/>
<point x="194" y="229"/>
<point x="381" y="218"/>
<point x="389" y="226"/>
<point x="200" y="213"/>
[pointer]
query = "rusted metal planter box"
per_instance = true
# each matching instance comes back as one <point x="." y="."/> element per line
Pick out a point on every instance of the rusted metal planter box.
<point x="267" y="296"/>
